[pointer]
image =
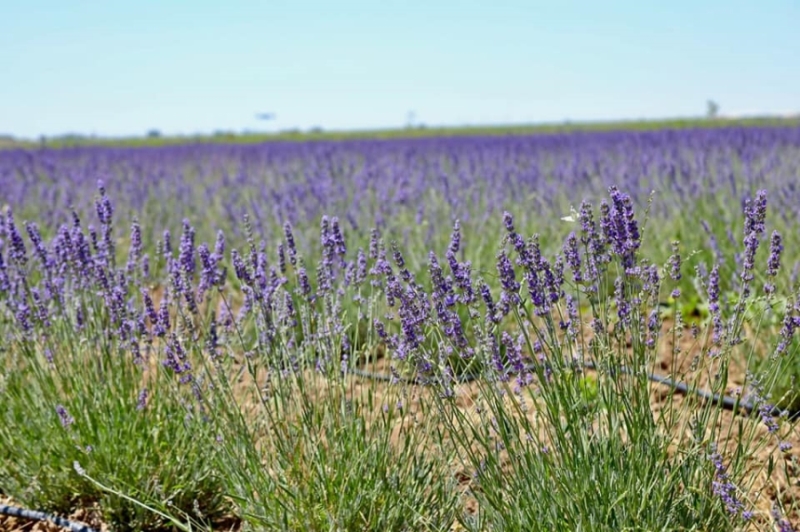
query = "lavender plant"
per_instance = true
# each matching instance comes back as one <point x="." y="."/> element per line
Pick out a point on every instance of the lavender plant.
<point x="217" y="369"/>
<point x="315" y="451"/>
<point x="545" y="458"/>
<point x="81" y="383"/>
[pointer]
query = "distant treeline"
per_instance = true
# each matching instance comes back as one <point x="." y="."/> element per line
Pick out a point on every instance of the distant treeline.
<point x="155" y="138"/>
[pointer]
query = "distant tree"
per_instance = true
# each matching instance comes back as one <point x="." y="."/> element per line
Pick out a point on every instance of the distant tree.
<point x="154" y="134"/>
<point x="712" y="109"/>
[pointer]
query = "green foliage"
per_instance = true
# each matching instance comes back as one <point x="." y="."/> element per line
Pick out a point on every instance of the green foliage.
<point x="155" y="452"/>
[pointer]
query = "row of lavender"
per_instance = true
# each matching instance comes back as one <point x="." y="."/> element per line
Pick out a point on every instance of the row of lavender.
<point x="413" y="190"/>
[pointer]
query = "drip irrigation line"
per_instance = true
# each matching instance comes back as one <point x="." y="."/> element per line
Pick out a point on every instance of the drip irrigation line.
<point x="33" y="515"/>
<point x="727" y="402"/>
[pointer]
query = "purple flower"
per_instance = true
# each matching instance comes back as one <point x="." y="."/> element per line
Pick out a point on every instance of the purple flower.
<point x="675" y="262"/>
<point x="305" y="285"/>
<point x="219" y="245"/>
<point x="508" y="222"/>
<point x="38" y="245"/>
<point x="23" y="316"/>
<point x="135" y="252"/>
<point x="775" y="250"/>
<point x="514" y="357"/>
<point x="103" y="205"/>
<point x="491" y="310"/>
<point x="176" y="358"/>
<point x="239" y="267"/>
<point x="621" y="298"/>
<point x="790" y="323"/>
<point x="592" y="239"/>
<point x="162" y="325"/>
<point x="141" y="403"/>
<point x="490" y="346"/>
<point x="289" y="235"/>
<point x="41" y="308"/>
<point x="373" y="243"/>
<point x="167" y="244"/>
<point x="713" y="304"/>
<point x="361" y="268"/>
<point x="751" y="243"/>
<point x="17" y="254"/>
<point x="455" y="238"/>
<point x="64" y="417"/>
<point x="145" y="265"/>
<point x="619" y="226"/>
<point x="783" y="524"/>
<point x="755" y="214"/>
<point x="187" y="251"/>
<point x="651" y="282"/>
<point x="401" y="263"/>
<point x="573" y="258"/>
<point x="553" y="279"/>
<point x="79" y="319"/>
<point x="724" y="488"/>
<point x="441" y="288"/>
<point x="510" y="295"/>
<point x="462" y="273"/>
<point x="380" y="330"/>
<point x="765" y="412"/>
<point x="338" y="239"/>
<point x="210" y="274"/>
<point x="281" y="258"/>
<point x="93" y="238"/>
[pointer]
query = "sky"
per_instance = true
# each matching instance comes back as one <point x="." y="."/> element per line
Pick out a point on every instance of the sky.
<point x="124" y="68"/>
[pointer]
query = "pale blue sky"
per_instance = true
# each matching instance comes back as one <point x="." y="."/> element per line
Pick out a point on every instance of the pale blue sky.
<point x="121" y="68"/>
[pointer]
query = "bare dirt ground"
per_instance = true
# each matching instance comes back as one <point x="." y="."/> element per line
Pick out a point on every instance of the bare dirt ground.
<point x="783" y="485"/>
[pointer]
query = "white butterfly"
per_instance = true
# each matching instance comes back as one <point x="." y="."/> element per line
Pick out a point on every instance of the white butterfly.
<point x="573" y="217"/>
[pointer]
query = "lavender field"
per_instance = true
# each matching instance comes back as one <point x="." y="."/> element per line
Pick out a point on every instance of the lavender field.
<point x="423" y="334"/>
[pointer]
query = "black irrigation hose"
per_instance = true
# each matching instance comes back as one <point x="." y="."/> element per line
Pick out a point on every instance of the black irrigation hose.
<point x="728" y="402"/>
<point x="32" y="515"/>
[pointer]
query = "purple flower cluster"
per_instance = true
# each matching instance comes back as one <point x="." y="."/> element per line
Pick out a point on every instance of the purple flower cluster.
<point x="783" y="524"/>
<point x="725" y="489"/>
<point x="620" y="228"/>
<point x="64" y="417"/>
<point x="755" y="214"/>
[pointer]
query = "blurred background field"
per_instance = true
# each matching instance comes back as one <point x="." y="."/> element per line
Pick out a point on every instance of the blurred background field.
<point x="413" y="189"/>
